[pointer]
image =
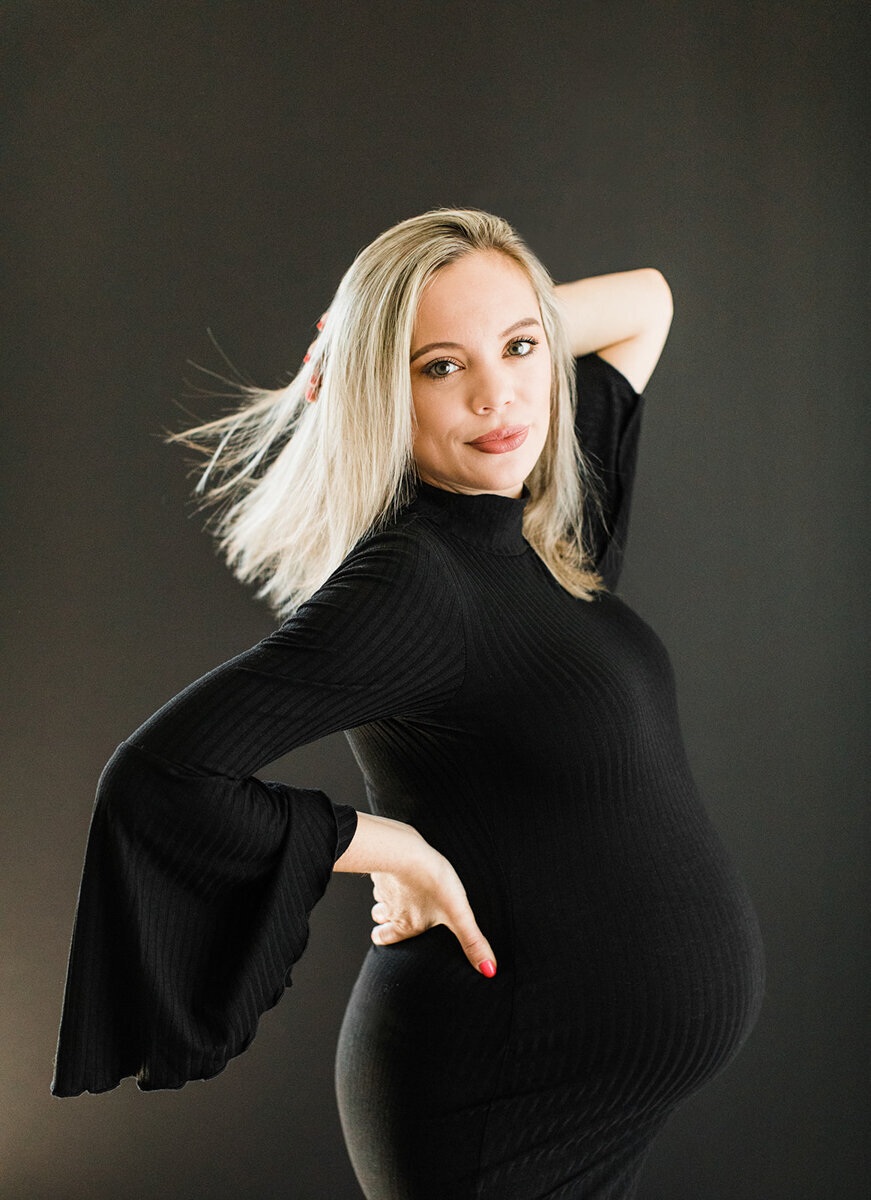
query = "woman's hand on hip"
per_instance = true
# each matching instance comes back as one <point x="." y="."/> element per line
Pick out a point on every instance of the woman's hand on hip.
<point x="415" y="887"/>
<point x="424" y="892"/>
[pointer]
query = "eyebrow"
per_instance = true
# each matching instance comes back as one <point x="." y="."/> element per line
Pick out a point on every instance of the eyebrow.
<point x="458" y="346"/>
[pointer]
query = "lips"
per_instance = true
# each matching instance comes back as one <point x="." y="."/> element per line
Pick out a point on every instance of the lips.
<point x="499" y="435"/>
<point x="501" y="441"/>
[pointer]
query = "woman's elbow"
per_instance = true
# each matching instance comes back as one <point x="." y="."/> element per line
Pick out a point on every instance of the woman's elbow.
<point x="113" y="786"/>
<point x="135" y="789"/>
<point x="661" y="299"/>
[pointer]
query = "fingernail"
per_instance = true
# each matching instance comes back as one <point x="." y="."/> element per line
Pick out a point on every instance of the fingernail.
<point x="307" y="357"/>
<point x="487" y="967"/>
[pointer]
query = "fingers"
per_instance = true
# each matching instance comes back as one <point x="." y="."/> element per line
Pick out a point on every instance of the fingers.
<point x="475" y="946"/>
<point x="461" y="921"/>
<point x="320" y="326"/>
<point x="387" y="930"/>
<point x="383" y="935"/>
<point x="311" y="392"/>
<point x="401" y="912"/>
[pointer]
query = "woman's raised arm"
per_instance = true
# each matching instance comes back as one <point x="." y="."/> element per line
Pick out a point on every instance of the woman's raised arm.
<point x="625" y="317"/>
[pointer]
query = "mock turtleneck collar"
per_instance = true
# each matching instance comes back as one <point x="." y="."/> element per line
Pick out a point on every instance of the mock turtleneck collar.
<point x="491" y="521"/>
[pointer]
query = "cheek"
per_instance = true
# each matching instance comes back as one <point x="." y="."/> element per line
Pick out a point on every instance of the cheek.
<point x="431" y="420"/>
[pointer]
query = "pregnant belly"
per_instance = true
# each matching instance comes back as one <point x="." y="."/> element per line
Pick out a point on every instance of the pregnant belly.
<point x="644" y="982"/>
<point x="630" y="961"/>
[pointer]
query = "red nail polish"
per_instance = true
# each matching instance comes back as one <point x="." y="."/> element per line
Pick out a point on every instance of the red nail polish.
<point x="487" y="967"/>
<point x="307" y="357"/>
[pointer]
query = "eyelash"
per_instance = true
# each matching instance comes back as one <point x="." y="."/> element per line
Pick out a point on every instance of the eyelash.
<point x="427" y="370"/>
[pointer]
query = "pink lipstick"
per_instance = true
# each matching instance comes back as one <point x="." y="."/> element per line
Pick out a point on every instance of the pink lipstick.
<point x="500" y="441"/>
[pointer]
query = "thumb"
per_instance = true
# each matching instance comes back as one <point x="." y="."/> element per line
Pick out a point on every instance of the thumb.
<point x="475" y="946"/>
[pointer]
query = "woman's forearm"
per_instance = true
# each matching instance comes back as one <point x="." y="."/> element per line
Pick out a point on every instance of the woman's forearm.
<point x="381" y="844"/>
<point x="605" y="309"/>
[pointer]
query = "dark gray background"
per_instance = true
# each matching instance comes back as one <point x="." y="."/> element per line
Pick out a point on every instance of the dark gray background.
<point x="173" y="167"/>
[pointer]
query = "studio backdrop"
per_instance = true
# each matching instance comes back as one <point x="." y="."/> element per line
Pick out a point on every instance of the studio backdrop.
<point x="185" y="183"/>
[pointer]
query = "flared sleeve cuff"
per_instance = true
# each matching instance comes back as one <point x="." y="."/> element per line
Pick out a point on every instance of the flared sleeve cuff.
<point x="193" y="907"/>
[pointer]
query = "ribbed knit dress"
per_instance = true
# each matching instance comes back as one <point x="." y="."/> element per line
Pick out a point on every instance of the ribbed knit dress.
<point x="532" y="738"/>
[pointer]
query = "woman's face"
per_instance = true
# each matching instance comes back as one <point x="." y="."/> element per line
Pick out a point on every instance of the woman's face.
<point x="495" y="375"/>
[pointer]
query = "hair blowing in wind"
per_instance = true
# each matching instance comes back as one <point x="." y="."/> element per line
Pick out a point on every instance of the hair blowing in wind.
<point x="297" y="484"/>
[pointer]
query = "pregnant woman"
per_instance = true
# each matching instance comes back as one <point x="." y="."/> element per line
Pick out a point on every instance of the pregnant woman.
<point x="563" y="950"/>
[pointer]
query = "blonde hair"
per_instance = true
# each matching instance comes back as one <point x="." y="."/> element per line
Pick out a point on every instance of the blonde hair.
<point x="302" y="483"/>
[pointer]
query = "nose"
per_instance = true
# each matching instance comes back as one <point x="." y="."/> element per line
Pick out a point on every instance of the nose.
<point x="492" y="393"/>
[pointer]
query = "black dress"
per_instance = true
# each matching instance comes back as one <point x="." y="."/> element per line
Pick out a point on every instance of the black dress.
<point x="533" y="739"/>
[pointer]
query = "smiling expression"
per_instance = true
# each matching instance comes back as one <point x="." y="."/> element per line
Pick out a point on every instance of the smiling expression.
<point x="479" y="362"/>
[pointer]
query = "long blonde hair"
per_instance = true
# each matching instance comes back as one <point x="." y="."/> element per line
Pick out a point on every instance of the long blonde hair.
<point x="301" y="483"/>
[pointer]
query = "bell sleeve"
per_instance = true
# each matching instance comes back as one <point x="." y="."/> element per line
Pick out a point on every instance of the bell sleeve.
<point x="607" y="425"/>
<point x="199" y="878"/>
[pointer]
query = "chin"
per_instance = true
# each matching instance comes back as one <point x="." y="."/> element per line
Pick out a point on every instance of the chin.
<point x="506" y="483"/>
<point x="513" y="475"/>
<point x="493" y="475"/>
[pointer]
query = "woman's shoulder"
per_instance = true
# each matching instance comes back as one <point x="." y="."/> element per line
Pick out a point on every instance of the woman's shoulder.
<point x="393" y="582"/>
<point x="401" y="553"/>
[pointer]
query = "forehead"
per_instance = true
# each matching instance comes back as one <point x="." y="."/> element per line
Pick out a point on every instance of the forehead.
<point x="484" y="287"/>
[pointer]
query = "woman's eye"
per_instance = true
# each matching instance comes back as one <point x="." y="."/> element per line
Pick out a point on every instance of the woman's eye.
<point x="439" y="362"/>
<point x="531" y="342"/>
<point x="433" y="373"/>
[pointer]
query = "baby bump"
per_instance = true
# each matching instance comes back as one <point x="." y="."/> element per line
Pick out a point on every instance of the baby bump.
<point x="649" y="987"/>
